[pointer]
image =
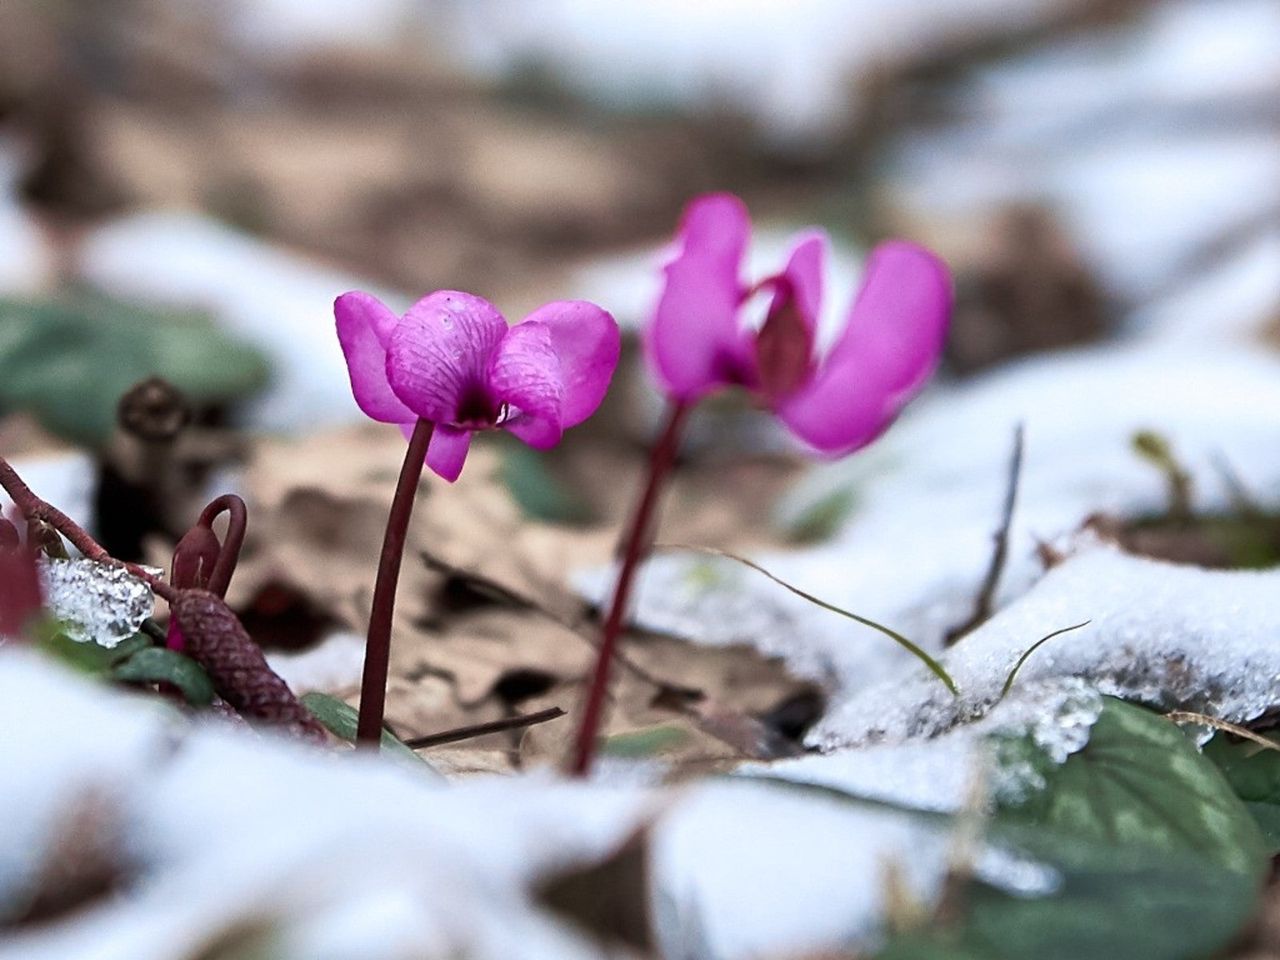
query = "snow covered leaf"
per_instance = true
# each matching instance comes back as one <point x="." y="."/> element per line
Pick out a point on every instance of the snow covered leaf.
<point x="159" y="665"/>
<point x="1140" y="782"/>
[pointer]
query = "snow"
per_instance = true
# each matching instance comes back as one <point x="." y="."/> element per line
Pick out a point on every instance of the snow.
<point x="1171" y="636"/>
<point x="927" y="499"/>
<point x="277" y="300"/>
<point x="221" y="830"/>
<point x="27" y="267"/>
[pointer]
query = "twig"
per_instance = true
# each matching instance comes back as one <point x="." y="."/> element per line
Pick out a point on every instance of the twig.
<point x="481" y="729"/>
<point x="1186" y="716"/>
<point x="582" y="627"/>
<point x="985" y="602"/>
<point x="33" y="508"/>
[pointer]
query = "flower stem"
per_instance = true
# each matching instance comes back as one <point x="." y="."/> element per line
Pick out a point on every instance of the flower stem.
<point x="377" y="651"/>
<point x="33" y="508"/>
<point x="639" y="540"/>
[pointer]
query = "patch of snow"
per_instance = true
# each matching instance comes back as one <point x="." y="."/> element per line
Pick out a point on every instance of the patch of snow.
<point x="335" y="663"/>
<point x="27" y="266"/>
<point x="1230" y="300"/>
<point x="797" y="75"/>
<point x="274" y="299"/>
<point x="935" y="761"/>
<point x="927" y="499"/>
<point x="1174" y="637"/>
<point x="224" y="832"/>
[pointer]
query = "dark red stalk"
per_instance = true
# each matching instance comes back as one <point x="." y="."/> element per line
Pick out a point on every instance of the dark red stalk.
<point x="639" y="540"/>
<point x="377" y="651"/>
<point x="33" y="508"/>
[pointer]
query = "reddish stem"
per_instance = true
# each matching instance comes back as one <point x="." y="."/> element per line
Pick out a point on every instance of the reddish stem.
<point x="377" y="651"/>
<point x="33" y="508"/>
<point x="639" y="540"/>
<point x="229" y="552"/>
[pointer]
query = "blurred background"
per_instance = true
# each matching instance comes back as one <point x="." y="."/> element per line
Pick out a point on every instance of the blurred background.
<point x="186" y="184"/>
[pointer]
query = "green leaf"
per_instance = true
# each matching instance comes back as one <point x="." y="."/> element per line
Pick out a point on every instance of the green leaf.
<point x="68" y="361"/>
<point x="821" y="519"/>
<point x="1125" y="903"/>
<point x="645" y="743"/>
<point x="160" y="665"/>
<point x="540" y="494"/>
<point x="341" y="719"/>
<point x="1139" y="782"/>
<point x="87" y="657"/>
<point x="1253" y="772"/>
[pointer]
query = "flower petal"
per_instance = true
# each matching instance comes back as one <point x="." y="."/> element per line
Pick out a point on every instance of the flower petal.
<point x="447" y="451"/>
<point x="890" y="347"/>
<point x="525" y="373"/>
<point x="784" y="345"/>
<point x="360" y="317"/>
<point x="586" y="342"/>
<point x="694" y="342"/>
<point x="438" y="354"/>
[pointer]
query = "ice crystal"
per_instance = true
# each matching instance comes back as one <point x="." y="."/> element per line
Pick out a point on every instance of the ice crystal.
<point x="95" y="602"/>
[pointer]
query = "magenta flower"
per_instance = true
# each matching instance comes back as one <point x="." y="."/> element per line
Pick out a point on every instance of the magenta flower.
<point x="453" y="361"/>
<point x="698" y="341"/>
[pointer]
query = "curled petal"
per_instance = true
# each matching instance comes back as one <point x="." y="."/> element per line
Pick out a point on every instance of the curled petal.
<point x="447" y="451"/>
<point x="784" y="345"/>
<point x="525" y="374"/>
<point x="364" y="325"/>
<point x="586" y="342"/>
<point x="694" y="342"/>
<point x="438" y="354"/>
<point x="890" y="347"/>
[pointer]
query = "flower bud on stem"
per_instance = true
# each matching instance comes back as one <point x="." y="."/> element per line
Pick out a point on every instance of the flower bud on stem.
<point x="638" y="543"/>
<point x="377" y="651"/>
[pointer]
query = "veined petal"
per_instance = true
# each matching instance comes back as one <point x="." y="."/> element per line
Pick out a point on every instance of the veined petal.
<point x="360" y="318"/>
<point x="888" y="350"/>
<point x="784" y="345"/>
<point x="447" y="451"/>
<point x="586" y="342"/>
<point x="694" y="340"/>
<point x="525" y="374"/>
<point x="438" y="354"/>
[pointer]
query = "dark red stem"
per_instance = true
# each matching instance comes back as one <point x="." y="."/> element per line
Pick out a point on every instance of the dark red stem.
<point x="377" y="651"/>
<point x="229" y="553"/>
<point x="33" y="508"/>
<point x="639" y="540"/>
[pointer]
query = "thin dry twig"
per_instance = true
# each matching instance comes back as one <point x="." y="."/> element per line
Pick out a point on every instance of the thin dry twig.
<point x="474" y="730"/>
<point x="582" y="627"/>
<point x="985" y="602"/>
<point x="33" y="508"/>
<point x="1188" y="716"/>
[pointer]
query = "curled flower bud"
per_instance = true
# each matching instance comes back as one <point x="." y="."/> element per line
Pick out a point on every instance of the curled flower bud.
<point x="240" y="673"/>
<point x="153" y="410"/>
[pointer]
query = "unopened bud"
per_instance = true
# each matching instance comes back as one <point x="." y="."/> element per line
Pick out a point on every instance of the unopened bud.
<point x="153" y="410"/>
<point x="240" y="673"/>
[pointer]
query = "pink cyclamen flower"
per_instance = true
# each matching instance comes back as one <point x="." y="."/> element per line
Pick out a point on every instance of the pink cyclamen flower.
<point x="698" y="341"/>
<point x="453" y="360"/>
